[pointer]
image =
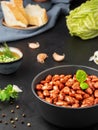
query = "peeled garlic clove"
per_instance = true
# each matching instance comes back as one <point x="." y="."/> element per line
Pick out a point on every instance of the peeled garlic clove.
<point x="96" y="61"/>
<point x="94" y="57"/>
<point x="34" y="45"/>
<point x="16" y="88"/>
<point x="58" y="57"/>
<point x="41" y="57"/>
<point x="91" y="58"/>
<point x="96" y="54"/>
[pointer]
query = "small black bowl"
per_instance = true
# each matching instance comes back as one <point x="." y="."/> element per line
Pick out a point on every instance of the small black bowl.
<point x="12" y="66"/>
<point x="65" y="116"/>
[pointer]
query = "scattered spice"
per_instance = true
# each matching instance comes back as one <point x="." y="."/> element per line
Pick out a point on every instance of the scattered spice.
<point x="12" y="121"/>
<point x="3" y="115"/>
<point x="29" y="124"/>
<point x="14" y="126"/>
<point x="22" y="122"/>
<point x="6" y="122"/>
<point x="0" y="121"/>
<point x="12" y="111"/>
<point x="11" y="102"/>
<point x="17" y="107"/>
<point x="23" y="115"/>
<point x="16" y="118"/>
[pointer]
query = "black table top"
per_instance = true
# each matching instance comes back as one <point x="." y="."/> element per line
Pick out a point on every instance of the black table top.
<point x="57" y="40"/>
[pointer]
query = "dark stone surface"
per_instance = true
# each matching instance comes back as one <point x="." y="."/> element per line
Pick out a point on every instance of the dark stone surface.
<point x="57" y="40"/>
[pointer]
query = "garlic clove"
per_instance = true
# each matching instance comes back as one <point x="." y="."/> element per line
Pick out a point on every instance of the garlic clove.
<point x="91" y="58"/>
<point x="96" y="61"/>
<point x="34" y="45"/>
<point x="58" y="57"/>
<point x="41" y="57"/>
<point x="16" y="88"/>
<point x="94" y="57"/>
<point x="96" y="54"/>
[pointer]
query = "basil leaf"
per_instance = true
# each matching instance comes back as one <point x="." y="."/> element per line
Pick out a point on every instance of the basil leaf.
<point x="8" y="92"/>
<point x="84" y="85"/>
<point x="81" y="75"/>
<point x="3" y="95"/>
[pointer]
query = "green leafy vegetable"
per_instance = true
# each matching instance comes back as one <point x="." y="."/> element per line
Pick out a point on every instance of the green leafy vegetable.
<point x="7" y="51"/>
<point x="83" y="85"/>
<point x="6" y="55"/>
<point x="83" y="20"/>
<point x="81" y="77"/>
<point x="10" y="91"/>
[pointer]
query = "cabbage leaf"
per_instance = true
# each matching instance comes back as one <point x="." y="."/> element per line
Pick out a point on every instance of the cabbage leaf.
<point x="83" y="20"/>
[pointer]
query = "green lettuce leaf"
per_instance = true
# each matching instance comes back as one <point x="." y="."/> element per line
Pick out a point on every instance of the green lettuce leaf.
<point x="83" y="20"/>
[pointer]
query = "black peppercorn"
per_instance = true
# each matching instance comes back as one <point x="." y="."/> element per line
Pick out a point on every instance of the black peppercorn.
<point x="22" y="122"/>
<point x="14" y="126"/>
<point x="6" y="122"/>
<point x="3" y="115"/>
<point x="0" y="121"/>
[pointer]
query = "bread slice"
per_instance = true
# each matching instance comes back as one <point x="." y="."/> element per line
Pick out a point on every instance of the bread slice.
<point x="19" y="5"/>
<point x="12" y="15"/>
<point x="36" y="15"/>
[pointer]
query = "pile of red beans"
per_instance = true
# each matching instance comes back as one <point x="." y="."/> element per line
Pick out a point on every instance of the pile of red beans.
<point x="64" y="90"/>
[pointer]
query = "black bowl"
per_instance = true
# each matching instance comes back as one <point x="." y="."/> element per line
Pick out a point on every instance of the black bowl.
<point x="11" y="67"/>
<point x="64" y="116"/>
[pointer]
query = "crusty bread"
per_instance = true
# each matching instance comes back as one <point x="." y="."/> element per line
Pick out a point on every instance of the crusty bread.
<point x="36" y="15"/>
<point x="12" y="15"/>
<point x="19" y="5"/>
<point x="15" y="15"/>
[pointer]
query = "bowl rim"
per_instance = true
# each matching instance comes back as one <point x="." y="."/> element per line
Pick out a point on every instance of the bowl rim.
<point x="11" y="62"/>
<point x="53" y="105"/>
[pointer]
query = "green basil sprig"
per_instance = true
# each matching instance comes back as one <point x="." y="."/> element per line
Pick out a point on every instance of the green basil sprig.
<point x="10" y="91"/>
<point x="81" y="77"/>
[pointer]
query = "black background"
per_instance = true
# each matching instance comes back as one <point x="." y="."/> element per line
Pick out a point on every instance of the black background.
<point x="58" y="40"/>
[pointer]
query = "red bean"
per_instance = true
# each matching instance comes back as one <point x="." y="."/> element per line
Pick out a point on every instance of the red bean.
<point x="48" y="78"/>
<point x="76" y="86"/>
<point x="78" y="96"/>
<point x="70" y="82"/>
<point x="89" y="91"/>
<point x="96" y="93"/>
<point x="64" y="90"/>
<point x="96" y="85"/>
